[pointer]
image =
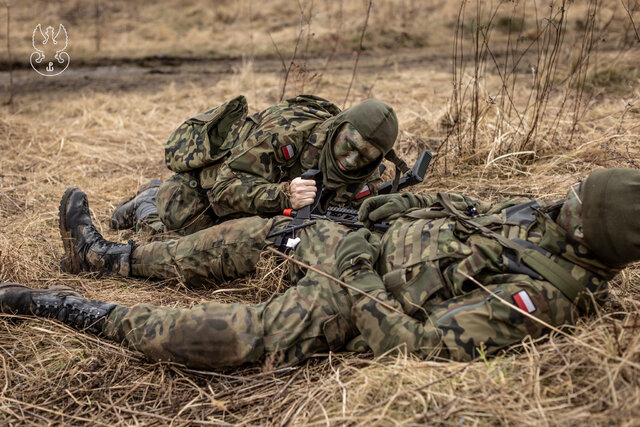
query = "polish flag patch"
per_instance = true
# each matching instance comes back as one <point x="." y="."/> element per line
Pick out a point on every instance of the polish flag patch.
<point x="288" y="151"/>
<point x="523" y="300"/>
<point x="364" y="192"/>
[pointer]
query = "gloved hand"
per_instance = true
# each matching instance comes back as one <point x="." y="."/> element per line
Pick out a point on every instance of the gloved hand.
<point x="360" y="247"/>
<point x="381" y="207"/>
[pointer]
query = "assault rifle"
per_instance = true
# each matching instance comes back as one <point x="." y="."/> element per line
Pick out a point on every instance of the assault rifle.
<point x="414" y="176"/>
<point x="346" y="216"/>
<point x="285" y="238"/>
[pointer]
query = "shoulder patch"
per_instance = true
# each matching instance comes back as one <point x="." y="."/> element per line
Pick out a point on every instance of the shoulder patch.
<point x="289" y="151"/>
<point x="523" y="300"/>
<point x="364" y="192"/>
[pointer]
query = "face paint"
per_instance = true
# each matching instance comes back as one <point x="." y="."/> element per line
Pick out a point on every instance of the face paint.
<point x="351" y="151"/>
<point x="570" y="216"/>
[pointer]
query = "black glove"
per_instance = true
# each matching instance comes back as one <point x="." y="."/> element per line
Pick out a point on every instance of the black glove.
<point x="360" y="247"/>
<point x="382" y="207"/>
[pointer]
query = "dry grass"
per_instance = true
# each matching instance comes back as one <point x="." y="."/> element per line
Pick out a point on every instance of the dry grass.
<point x="105" y="133"/>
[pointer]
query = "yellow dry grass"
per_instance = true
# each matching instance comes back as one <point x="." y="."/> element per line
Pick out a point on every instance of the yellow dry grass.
<point x="104" y="132"/>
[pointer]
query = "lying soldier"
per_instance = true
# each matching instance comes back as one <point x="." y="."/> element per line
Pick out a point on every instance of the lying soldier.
<point x="228" y="163"/>
<point x="435" y="284"/>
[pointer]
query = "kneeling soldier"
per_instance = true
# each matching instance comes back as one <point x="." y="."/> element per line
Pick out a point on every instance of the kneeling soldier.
<point x="416" y="287"/>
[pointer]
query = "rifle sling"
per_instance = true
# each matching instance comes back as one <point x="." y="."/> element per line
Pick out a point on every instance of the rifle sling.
<point x="401" y="168"/>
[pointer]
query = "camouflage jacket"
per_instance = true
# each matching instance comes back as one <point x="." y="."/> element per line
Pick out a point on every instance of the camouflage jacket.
<point x="425" y="262"/>
<point x="270" y="149"/>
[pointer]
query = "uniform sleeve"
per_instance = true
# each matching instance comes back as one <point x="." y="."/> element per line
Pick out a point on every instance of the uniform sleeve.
<point x="249" y="181"/>
<point x="460" y="328"/>
<point x="382" y="328"/>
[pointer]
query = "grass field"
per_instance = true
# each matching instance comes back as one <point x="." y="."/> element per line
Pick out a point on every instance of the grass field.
<point x="527" y="102"/>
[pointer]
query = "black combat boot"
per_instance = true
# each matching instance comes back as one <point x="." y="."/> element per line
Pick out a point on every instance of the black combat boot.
<point x="136" y="208"/>
<point x="84" y="248"/>
<point x="64" y="305"/>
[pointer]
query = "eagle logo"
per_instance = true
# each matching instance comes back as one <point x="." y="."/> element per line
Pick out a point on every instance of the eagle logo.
<point x="49" y="57"/>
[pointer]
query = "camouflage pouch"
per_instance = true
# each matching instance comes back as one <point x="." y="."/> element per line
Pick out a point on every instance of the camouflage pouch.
<point x="416" y="249"/>
<point x="202" y="140"/>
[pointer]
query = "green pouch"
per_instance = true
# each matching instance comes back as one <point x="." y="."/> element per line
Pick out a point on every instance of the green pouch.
<point x="412" y="286"/>
<point x="202" y="140"/>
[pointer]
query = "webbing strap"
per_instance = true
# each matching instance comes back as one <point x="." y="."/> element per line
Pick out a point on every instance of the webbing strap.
<point x="401" y="167"/>
<point x="400" y="164"/>
<point x="416" y="241"/>
<point x="542" y="265"/>
<point x="396" y="181"/>
<point x="434" y="233"/>
<point x="398" y="260"/>
<point x="555" y="274"/>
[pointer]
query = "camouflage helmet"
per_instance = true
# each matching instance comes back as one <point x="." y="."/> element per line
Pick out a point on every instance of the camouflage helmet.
<point x="611" y="215"/>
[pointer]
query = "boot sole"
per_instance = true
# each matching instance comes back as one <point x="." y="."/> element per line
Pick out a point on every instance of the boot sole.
<point x="70" y="262"/>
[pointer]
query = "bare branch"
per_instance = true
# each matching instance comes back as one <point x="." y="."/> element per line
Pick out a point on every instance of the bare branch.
<point x="627" y="9"/>
<point x="295" y="52"/>
<point x="284" y="66"/>
<point x="7" y="6"/>
<point x="355" y="65"/>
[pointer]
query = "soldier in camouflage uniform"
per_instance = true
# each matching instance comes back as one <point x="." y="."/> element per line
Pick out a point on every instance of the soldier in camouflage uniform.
<point x="413" y="288"/>
<point x="229" y="163"/>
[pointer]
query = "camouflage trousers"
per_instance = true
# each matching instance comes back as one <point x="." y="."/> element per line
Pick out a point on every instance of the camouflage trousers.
<point x="183" y="208"/>
<point x="312" y="317"/>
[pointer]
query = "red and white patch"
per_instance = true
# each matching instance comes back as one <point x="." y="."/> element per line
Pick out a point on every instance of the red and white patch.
<point x="364" y="192"/>
<point x="523" y="300"/>
<point x="288" y="151"/>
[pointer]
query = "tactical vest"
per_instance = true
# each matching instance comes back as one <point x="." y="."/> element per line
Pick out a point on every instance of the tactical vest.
<point x="414" y="270"/>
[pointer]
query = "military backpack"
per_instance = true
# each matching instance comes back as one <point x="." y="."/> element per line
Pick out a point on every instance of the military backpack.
<point x="206" y="138"/>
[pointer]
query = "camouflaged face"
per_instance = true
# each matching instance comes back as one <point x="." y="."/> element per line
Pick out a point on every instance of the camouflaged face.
<point x="570" y="216"/>
<point x="351" y="151"/>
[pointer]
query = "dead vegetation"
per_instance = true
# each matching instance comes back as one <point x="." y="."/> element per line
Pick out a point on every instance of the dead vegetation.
<point x="465" y="90"/>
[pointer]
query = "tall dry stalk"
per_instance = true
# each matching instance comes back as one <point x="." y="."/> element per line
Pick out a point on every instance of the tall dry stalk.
<point x="355" y="64"/>
<point x="7" y="6"/>
<point x="252" y="49"/>
<point x="98" y="22"/>
<point x="336" y="40"/>
<point x="477" y="110"/>
<point x="295" y="52"/>
<point x="630" y="9"/>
